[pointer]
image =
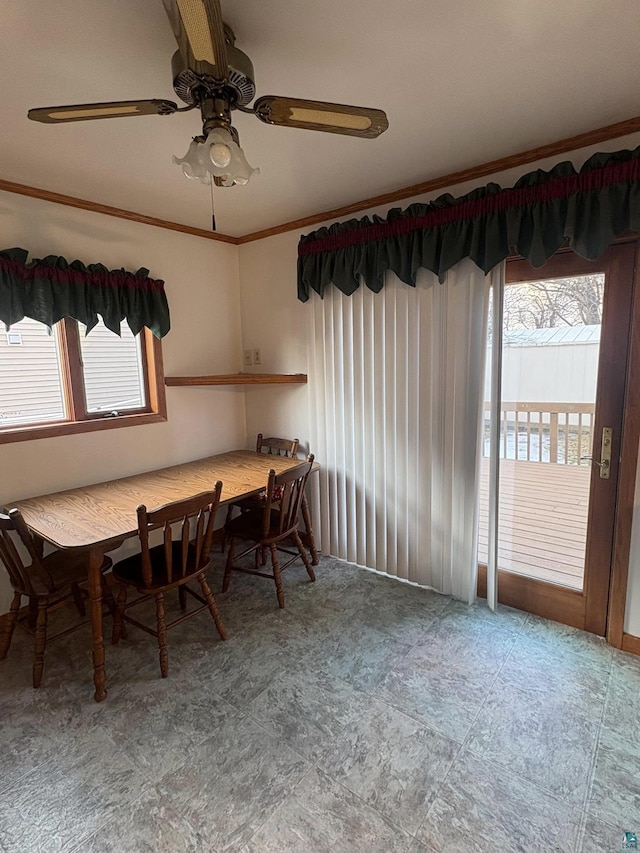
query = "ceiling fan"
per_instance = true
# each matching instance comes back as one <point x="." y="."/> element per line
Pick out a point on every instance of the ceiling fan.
<point x="212" y="74"/>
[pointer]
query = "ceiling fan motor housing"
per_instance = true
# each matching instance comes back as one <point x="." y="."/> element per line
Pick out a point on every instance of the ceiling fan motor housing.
<point x="240" y="80"/>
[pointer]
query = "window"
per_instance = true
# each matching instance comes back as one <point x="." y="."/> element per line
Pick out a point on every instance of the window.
<point x="58" y="381"/>
<point x="113" y="370"/>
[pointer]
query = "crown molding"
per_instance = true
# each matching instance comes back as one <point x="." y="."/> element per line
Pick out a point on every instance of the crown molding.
<point x="492" y="167"/>
<point x="107" y="210"/>
<point x="562" y="146"/>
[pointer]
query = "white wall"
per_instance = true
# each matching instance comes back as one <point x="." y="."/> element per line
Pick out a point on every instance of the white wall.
<point x="274" y="320"/>
<point x="202" y="288"/>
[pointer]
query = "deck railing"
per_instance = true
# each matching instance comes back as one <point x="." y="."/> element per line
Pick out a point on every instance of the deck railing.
<point x="543" y="432"/>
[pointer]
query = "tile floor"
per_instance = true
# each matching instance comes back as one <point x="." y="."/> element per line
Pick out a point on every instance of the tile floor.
<point x="367" y="716"/>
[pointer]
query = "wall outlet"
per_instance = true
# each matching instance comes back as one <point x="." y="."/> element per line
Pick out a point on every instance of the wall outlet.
<point x="247" y="358"/>
<point x="257" y="357"/>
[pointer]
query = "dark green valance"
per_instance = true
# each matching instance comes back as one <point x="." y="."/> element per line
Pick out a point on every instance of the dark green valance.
<point x="50" y="288"/>
<point x="534" y="218"/>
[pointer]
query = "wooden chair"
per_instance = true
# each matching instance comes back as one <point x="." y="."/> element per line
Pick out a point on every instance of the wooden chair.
<point x="47" y="582"/>
<point x="170" y="565"/>
<point x="268" y="526"/>
<point x="277" y="446"/>
<point x="273" y="447"/>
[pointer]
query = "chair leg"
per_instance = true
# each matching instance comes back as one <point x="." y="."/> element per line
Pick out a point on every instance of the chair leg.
<point x="277" y="575"/>
<point x="33" y="612"/>
<point x="9" y="625"/>
<point x="303" y="554"/>
<point x="162" y="635"/>
<point x="41" y="642"/>
<point x="119" y="617"/>
<point x="229" y="565"/>
<point x="182" y="597"/>
<point x="213" y="607"/>
<point x="79" y="600"/>
<point x="112" y="607"/>
<point x="311" y="539"/>
<point x="224" y="528"/>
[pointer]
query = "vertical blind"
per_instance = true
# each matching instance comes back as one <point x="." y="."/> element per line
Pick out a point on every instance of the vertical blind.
<point x="397" y="381"/>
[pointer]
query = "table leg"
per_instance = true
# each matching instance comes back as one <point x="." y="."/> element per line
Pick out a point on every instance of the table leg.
<point x="95" y="603"/>
<point x="311" y="541"/>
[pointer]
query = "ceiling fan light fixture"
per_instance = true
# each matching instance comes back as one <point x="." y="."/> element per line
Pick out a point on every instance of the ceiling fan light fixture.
<point x="217" y="156"/>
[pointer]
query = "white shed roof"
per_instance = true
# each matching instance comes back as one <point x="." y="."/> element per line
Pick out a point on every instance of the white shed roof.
<point x="556" y="336"/>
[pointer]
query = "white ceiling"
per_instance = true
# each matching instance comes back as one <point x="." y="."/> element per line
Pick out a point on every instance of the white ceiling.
<point x="462" y="82"/>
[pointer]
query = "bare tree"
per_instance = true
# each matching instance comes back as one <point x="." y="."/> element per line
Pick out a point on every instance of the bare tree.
<point x="554" y="302"/>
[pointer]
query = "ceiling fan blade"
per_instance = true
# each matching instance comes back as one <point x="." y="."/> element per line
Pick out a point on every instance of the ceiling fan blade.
<point x="110" y="109"/>
<point x="199" y="31"/>
<point x="319" y="115"/>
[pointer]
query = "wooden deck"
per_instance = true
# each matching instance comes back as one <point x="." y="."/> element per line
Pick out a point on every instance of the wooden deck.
<point x="543" y="519"/>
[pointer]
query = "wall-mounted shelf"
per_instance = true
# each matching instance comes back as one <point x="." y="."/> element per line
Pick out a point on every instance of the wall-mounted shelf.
<point x="239" y="379"/>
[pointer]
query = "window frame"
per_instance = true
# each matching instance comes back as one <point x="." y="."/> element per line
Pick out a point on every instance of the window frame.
<point x="79" y="420"/>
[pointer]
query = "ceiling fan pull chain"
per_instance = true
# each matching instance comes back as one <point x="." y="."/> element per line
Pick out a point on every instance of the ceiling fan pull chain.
<point x="213" y="214"/>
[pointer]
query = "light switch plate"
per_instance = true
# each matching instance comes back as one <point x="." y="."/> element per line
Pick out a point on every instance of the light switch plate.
<point x="247" y="357"/>
<point x="257" y="357"/>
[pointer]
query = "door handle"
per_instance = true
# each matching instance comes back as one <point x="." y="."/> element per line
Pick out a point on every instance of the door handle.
<point x="605" y="454"/>
<point x="604" y="464"/>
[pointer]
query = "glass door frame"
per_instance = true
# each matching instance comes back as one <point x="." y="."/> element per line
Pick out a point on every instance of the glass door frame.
<point x="598" y="606"/>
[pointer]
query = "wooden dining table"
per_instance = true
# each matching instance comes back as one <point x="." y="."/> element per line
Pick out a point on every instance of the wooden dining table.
<point x="99" y="517"/>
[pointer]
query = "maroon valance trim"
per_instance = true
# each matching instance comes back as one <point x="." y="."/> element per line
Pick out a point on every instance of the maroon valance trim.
<point x="459" y="211"/>
<point x="103" y="278"/>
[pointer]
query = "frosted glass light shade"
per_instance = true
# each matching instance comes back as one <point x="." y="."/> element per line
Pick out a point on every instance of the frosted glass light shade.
<point x="218" y="156"/>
